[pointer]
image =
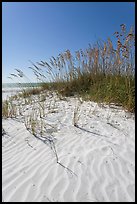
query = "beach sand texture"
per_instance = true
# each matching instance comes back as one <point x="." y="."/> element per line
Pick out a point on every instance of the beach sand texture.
<point x="94" y="162"/>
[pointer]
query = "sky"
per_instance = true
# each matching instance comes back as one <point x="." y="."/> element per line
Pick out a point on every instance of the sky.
<point x="38" y="30"/>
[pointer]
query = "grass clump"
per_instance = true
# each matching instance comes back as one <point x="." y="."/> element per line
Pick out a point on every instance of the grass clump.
<point x="5" y="109"/>
<point x="100" y="73"/>
<point x="9" y="109"/>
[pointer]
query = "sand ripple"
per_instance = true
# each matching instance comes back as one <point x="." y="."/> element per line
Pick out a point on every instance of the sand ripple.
<point x="92" y="167"/>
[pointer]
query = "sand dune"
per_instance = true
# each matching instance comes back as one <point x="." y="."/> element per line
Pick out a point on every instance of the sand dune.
<point x="96" y="159"/>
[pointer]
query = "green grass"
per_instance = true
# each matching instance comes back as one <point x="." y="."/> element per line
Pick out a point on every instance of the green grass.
<point x="100" y="88"/>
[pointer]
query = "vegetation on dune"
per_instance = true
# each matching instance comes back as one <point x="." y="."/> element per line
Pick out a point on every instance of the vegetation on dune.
<point x="99" y="73"/>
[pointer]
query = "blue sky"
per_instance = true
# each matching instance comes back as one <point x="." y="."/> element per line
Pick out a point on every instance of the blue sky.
<point x="38" y="30"/>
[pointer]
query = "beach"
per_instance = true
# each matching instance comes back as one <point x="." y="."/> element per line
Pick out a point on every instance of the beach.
<point x="86" y="153"/>
<point x="68" y="102"/>
<point x="11" y="91"/>
<point x="7" y="92"/>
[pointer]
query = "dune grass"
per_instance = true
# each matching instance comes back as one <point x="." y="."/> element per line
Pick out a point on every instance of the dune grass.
<point x="100" y="73"/>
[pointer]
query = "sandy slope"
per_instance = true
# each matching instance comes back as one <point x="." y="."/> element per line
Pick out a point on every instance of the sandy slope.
<point x="96" y="160"/>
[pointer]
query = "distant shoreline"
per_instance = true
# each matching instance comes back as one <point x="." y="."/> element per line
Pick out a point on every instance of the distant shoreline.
<point x="18" y="85"/>
<point x="11" y="89"/>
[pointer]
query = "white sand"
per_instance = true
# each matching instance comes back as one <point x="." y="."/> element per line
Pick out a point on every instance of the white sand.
<point x="96" y="160"/>
<point x="7" y="92"/>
